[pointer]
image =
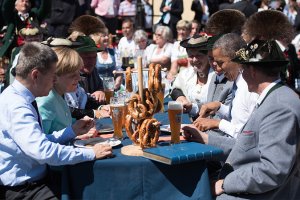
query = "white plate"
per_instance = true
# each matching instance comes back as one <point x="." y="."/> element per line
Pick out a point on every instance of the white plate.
<point x="104" y="128"/>
<point x="89" y="143"/>
<point x="166" y="128"/>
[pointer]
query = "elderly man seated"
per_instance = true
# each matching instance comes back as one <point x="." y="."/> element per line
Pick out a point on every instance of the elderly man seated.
<point x="25" y="150"/>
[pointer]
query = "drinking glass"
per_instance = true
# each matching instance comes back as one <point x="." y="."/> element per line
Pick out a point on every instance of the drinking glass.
<point x="108" y="84"/>
<point x="175" y="116"/>
<point x="117" y="107"/>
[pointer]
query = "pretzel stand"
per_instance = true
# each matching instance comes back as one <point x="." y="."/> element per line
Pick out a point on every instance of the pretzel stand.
<point x="140" y="125"/>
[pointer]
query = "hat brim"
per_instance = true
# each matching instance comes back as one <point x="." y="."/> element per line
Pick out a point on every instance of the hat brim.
<point x="262" y="63"/>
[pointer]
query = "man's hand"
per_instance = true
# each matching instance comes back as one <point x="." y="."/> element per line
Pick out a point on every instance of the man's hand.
<point x="204" y="124"/>
<point x="216" y="188"/>
<point x="187" y="106"/>
<point x="209" y="109"/>
<point x="191" y="133"/>
<point x="90" y="134"/>
<point x="102" y="150"/>
<point x="83" y="125"/>
<point x="99" y="96"/>
<point x="103" y="112"/>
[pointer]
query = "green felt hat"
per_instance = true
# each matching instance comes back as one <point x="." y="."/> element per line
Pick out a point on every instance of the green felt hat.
<point x="87" y="44"/>
<point x="261" y="53"/>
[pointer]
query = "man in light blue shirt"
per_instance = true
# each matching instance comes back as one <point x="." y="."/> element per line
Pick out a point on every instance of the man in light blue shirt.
<point x="25" y="150"/>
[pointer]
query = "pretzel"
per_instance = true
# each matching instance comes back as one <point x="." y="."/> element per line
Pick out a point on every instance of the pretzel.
<point x="149" y="133"/>
<point x="128" y="80"/>
<point x="154" y="78"/>
<point x="136" y="109"/>
<point x="132" y="134"/>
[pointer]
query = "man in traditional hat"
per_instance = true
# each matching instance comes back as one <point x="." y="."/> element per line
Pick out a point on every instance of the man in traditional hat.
<point x="274" y="25"/>
<point x="91" y="82"/>
<point x="20" y="14"/>
<point x="263" y="162"/>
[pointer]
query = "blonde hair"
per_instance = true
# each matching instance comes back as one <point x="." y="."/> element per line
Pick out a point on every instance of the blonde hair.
<point x="69" y="60"/>
<point x="184" y="24"/>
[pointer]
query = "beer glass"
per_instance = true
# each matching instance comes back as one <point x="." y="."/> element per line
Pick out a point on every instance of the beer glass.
<point x="108" y="84"/>
<point x="117" y="108"/>
<point x="175" y="115"/>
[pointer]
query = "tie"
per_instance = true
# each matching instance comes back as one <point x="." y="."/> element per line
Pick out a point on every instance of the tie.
<point x="34" y="104"/>
<point x="233" y="90"/>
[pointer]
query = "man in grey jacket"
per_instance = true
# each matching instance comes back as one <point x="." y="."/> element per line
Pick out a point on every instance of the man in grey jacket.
<point x="263" y="162"/>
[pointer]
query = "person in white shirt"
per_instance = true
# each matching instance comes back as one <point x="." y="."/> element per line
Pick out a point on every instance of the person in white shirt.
<point x="194" y="80"/>
<point x="179" y="57"/>
<point x="126" y="46"/>
<point x="237" y="113"/>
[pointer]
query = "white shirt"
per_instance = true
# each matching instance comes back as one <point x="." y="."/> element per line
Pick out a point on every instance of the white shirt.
<point x="186" y="81"/>
<point x="242" y="107"/>
<point x="178" y="51"/>
<point x="126" y="47"/>
<point x="151" y="52"/>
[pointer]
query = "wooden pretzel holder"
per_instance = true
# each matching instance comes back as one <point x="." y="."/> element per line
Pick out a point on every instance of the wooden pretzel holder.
<point x="140" y="125"/>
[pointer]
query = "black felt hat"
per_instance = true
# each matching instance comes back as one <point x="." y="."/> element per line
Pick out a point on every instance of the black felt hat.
<point x="198" y="42"/>
<point x="261" y="53"/>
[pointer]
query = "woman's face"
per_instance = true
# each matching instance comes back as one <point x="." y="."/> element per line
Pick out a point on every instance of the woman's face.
<point x="182" y="33"/>
<point x="198" y="60"/>
<point x="159" y="39"/>
<point x="142" y="43"/>
<point x="68" y="82"/>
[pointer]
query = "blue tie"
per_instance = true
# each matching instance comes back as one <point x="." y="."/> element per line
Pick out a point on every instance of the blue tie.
<point x="34" y="104"/>
<point x="233" y="90"/>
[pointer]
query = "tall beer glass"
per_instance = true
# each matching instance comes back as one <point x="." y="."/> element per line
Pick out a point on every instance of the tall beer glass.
<point x="175" y="115"/>
<point x="108" y="84"/>
<point x="117" y="108"/>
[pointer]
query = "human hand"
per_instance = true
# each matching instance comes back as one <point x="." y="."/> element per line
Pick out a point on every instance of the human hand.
<point x="103" y="112"/>
<point x="83" y="125"/>
<point x="90" y="134"/>
<point x="166" y="8"/>
<point x="216" y="187"/>
<point x="191" y="133"/>
<point x="102" y="150"/>
<point x="209" y="109"/>
<point x="99" y="96"/>
<point x="187" y="106"/>
<point x="204" y="124"/>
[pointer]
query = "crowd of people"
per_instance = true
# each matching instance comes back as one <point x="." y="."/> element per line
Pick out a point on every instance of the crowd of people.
<point x="235" y="71"/>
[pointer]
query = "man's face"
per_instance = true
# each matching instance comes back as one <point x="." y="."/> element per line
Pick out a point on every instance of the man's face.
<point x="89" y="61"/>
<point x="127" y="30"/>
<point x="247" y="72"/>
<point x="226" y="66"/>
<point x="45" y="81"/>
<point x="23" y="6"/>
<point x="197" y="59"/>
<point x="212" y="64"/>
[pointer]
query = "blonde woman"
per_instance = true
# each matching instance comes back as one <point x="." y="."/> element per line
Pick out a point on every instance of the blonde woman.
<point x="53" y="108"/>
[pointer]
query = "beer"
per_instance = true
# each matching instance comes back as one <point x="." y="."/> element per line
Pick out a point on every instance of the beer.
<point x="108" y="95"/>
<point x="175" y="115"/>
<point x="124" y="115"/>
<point x="117" y="111"/>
